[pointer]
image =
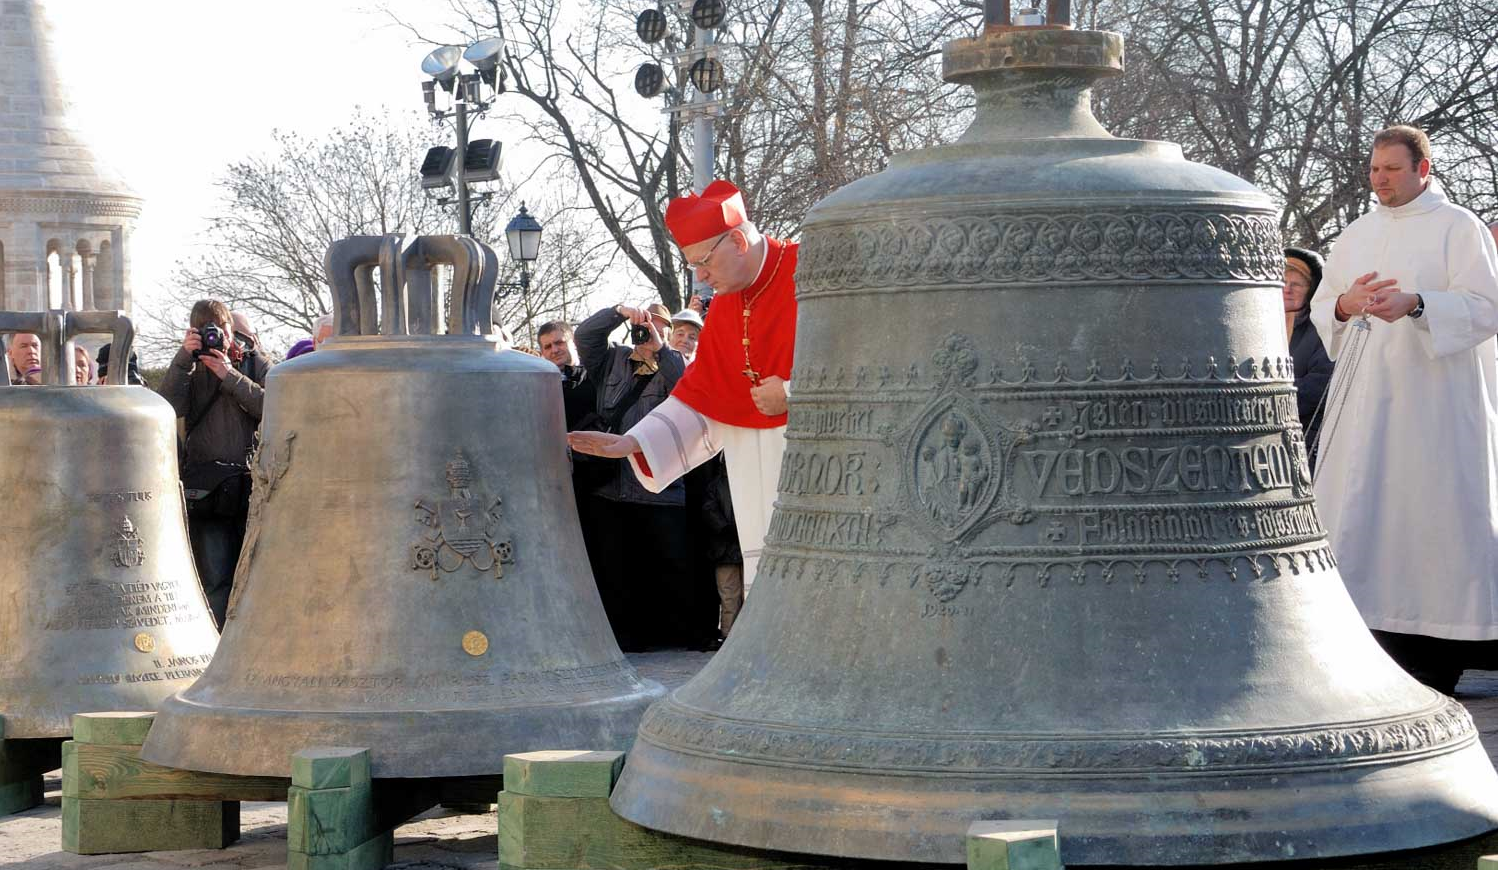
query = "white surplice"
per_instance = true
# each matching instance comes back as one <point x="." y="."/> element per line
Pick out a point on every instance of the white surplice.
<point x="1407" y="481"/>
<point x="675" y="438"/>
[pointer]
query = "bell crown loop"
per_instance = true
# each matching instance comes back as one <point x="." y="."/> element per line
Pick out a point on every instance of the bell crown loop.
<point x="408" y="303"/>
<point x="1033" y="83"/>
<point x="58" y="328"/>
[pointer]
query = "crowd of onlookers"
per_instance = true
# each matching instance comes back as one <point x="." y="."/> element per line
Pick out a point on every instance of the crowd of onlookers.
<point x="667" y="564"/>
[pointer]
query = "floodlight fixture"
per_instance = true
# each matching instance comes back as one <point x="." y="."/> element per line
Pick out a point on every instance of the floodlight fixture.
<point x="523" y="233"/>
<point x="442" y="65"/>
<point x="650" y="26"/>
<point x="437" y="167"/>
<point x="650" y="80"/>
<point x="709" y="14"/>
<point x="706" y="74"/>
<point x="481" y="160"/>
<point x="484" y="55"/>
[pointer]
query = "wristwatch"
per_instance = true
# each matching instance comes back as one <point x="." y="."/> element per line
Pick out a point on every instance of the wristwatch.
<point x="1419" y="310"/>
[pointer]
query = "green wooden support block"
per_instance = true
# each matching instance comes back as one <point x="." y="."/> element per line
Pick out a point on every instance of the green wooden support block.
<point x="563" y="773"/>
<point x="552" y="833"/>
<point x="98" y="771"/>
<point x="329" y="821"/>
<point x="1013" y="845"/>
<point x="115" y="729"/>
<point x="330" y="767"/>
<point x="93" y="827"/>
<point x="1487" y="862"/>
<point x="372" y="854"/>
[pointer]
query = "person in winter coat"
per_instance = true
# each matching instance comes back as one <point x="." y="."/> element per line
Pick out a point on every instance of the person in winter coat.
<point x="638" y="541"/>
<point x="1313" y="368"/>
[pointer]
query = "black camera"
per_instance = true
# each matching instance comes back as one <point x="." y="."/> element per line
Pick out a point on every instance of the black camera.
<point x="706" y="300"/>
<point x="639" y="334"/>
<point x="212" y="338"/>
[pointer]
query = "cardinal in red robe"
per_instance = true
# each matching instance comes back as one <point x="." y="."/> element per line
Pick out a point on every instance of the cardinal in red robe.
<point x="733" y="396"/>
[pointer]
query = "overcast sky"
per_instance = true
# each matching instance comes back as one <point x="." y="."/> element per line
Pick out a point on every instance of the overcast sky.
<point x="172" y="91"/>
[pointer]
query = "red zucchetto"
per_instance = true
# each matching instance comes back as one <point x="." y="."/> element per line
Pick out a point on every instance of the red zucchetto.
<point x="693" y="218"/>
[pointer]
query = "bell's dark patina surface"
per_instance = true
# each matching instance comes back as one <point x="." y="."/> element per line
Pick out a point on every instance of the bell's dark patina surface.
<point x="413" y="579"/>
<point x="1045" y="545"/>
<point x="100" y="607"/>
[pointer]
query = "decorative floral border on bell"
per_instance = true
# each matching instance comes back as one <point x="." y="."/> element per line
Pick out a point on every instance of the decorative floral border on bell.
<point x="1210" y="371"/>
<point x="1099" y="246"/>
<point x="1441" y="728"/>
<point x="1050" y="572"/>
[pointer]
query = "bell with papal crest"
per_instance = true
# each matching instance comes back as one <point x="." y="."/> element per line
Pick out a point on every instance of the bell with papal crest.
<point x="413" y="578"/>
<point x="100" y="606"/>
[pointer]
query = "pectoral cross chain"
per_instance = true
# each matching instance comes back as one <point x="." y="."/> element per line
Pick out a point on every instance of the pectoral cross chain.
<point x="748" y="371"/>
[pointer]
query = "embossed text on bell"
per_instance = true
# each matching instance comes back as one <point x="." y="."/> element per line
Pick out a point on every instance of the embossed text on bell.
<point x="1045" y="545"/>
<point x="100" y="607"/>
<point x="413" y="578"/>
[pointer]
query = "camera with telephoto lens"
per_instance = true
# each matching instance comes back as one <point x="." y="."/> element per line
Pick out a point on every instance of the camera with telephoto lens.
<point x="639" y="334"/>
<point x="212" y="338"/>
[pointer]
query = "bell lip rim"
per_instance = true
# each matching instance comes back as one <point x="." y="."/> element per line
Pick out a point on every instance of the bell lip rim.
<point x="1104" y="849"/>
<point x="172" y="754"/>
<point x="1439" y="705"/>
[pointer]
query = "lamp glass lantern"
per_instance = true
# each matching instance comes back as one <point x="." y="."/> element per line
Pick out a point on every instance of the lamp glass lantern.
<point x="523" y="233"/>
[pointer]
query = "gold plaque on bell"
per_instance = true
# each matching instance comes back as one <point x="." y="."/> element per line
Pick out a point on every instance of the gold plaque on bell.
<point x="475" y="643"/>
<point x="145" y="643"/>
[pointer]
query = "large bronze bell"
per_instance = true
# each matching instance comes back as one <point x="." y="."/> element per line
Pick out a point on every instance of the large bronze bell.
<point x="100" y="607"/>
<point x="413" y="578"/>
<point x="1045" y="545"/>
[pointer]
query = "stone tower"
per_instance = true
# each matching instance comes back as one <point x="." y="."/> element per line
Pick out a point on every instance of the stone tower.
<point x="65" y="219"/>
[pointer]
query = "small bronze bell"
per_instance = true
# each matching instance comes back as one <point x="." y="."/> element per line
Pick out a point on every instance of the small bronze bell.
<point x="100" y="607"/>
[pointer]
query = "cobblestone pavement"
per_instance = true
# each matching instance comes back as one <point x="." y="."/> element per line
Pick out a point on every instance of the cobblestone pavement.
<point x="439" y="838"/>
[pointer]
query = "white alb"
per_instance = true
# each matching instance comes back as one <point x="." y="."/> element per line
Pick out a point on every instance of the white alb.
<point x="1407" y="483"/>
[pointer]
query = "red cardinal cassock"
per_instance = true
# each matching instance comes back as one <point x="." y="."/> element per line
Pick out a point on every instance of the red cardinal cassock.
<point x="749" y="335"/>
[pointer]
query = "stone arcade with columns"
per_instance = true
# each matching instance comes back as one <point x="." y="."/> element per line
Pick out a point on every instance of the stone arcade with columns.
<point x="65" y="219"/>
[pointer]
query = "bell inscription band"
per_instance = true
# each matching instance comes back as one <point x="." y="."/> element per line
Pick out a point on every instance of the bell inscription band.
<point x="1045" y="545"/>
<point x="100" y="607"/>
<point x="413" y="578"/>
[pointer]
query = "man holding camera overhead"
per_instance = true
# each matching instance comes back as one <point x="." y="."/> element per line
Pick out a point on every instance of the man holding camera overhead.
<point x="216" y="384"/>
<point x="636" y="537"/>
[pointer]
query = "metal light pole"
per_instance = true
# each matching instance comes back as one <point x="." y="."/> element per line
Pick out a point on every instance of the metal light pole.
<point x="704" y="73"/>
<point x="703" y="132"/>
<point x="442" y="65"/>
<point x="460" y="181"/>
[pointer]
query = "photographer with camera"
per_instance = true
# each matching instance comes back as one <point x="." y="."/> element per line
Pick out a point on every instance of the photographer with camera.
<point x="216" y="384"/>
<point x="637" y="540"/>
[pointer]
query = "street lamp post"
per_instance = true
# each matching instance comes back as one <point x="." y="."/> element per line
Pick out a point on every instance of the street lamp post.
<point x="523" y="236"/>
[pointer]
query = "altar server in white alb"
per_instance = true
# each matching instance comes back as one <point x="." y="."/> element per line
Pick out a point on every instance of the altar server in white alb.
<point x="733" y="395"/>
<point x="1407" y="482"/>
